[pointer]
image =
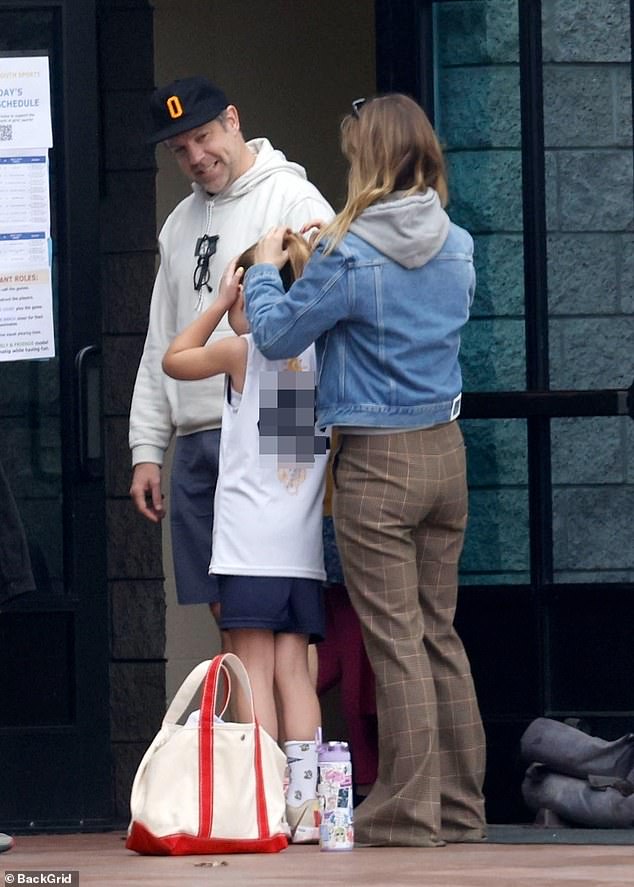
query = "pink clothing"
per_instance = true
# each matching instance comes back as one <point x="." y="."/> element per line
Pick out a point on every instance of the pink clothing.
<point x="342" y="659"/>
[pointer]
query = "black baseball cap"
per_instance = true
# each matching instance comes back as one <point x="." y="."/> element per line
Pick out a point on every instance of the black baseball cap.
<point x="184" y="104"/>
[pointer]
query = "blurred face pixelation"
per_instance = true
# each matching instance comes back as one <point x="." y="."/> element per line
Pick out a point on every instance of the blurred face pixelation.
<point x="210" y="155"/>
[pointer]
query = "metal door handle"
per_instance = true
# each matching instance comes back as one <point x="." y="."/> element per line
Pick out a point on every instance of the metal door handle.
<point x="89" y="412"/>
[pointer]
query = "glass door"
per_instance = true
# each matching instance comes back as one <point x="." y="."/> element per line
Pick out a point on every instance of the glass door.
<point x="54" y="716"/>
<point x="533" y="102"/>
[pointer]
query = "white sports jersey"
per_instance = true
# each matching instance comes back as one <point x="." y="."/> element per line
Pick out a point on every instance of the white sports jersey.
<point x="269" y="498"/>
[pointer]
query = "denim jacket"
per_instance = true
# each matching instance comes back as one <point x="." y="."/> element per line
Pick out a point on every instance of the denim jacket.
<point x="384" y="309"/>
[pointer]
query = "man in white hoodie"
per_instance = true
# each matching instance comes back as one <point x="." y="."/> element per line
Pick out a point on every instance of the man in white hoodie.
<point x="239" y="191"/>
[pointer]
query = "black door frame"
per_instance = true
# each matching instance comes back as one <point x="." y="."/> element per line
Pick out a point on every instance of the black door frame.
<point x="405" y="62"/>
<point x="78" y="763"/>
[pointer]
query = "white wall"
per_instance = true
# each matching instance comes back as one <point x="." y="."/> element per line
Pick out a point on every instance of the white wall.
<point x="292" y="67"/>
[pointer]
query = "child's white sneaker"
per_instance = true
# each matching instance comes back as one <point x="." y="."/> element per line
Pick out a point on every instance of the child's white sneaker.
<point x="304" y="822"/>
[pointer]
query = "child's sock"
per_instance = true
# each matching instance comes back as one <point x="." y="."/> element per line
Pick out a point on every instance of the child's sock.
<point x="302" y="767"/>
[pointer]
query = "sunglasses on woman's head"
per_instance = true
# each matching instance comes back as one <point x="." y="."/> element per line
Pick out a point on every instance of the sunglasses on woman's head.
<point x="356" y="107"/>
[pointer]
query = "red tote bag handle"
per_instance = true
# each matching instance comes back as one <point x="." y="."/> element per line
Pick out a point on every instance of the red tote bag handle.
<point x="226" y="663"/>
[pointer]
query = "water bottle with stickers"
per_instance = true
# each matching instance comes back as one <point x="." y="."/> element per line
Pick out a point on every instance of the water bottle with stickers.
<point x="335" y="792"/>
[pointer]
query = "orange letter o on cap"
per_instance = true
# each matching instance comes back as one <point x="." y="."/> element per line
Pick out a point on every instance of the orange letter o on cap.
<point x="174" y="107"/>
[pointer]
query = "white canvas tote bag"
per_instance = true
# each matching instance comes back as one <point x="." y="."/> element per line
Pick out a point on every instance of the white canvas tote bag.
<point x="216" y="787"/>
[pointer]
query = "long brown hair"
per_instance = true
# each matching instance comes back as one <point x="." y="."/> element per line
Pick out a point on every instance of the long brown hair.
<point x="390" y="145"/>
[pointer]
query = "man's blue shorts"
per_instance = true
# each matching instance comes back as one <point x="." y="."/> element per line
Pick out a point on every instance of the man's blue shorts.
<point x="295" y="606"/>
<point x="192" y="488"/>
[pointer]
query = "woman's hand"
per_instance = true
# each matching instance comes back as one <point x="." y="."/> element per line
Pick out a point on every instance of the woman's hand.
<point x="314" y="226"/>
<point x="269" y="249"/>
<point x="314" y="223"/>
<point x="230" y="286"/>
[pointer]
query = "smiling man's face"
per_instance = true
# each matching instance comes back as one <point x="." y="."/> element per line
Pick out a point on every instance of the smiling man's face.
<point x="214" y="155"/>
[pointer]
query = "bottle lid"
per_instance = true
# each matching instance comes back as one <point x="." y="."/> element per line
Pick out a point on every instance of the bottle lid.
<point x="334" y="751"/>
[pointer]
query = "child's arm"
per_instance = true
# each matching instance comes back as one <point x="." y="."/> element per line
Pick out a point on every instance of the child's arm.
<point x="190" y="356"/>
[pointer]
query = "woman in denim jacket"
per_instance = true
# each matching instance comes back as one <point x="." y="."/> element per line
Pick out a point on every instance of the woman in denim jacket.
<point x="384" y="297"/>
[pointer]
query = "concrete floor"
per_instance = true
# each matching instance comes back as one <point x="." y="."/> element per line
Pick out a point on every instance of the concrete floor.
<point x="102" y="859"/>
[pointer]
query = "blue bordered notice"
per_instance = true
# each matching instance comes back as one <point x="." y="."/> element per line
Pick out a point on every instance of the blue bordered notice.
<point x="23" y="250"/>
<point x="24" y="192"/>
<point x="26" y="297"/>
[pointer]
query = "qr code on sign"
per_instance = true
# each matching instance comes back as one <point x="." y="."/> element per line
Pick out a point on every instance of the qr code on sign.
<point x="6" y="132"/>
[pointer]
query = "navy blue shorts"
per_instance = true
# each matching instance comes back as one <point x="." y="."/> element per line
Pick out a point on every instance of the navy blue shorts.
<point x="192" y="487"/>
<point x="295" y="606"/>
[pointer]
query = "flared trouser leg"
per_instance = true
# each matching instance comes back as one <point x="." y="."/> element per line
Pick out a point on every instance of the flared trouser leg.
<point x="400" y="513"/>
<point x="461" y="741"/>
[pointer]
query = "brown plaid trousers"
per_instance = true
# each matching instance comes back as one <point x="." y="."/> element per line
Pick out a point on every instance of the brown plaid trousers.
<point x="400" y="510"/>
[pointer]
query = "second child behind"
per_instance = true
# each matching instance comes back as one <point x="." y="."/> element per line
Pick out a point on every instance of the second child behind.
<point x="267" y="533"/>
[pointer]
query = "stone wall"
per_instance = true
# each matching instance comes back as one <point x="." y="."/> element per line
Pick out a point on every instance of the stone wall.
<point x="128" y="245"/>
<point x="589" y="216"/>
<point x="478" y="119"/>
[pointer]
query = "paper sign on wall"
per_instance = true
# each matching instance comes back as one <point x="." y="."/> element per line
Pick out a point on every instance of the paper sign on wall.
<point x="26" y="296"/>
<point x="26" y="321"/>
<point x="25" y="105"/>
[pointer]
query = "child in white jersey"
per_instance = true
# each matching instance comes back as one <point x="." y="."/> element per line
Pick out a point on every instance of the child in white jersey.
<point x="267" y="533"/>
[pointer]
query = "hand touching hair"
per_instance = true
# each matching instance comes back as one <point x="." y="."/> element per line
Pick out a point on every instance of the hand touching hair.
<point x="298" y="250"/>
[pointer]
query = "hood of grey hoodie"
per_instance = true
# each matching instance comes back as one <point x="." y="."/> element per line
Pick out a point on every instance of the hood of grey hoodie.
<point x="409" y="230"/>
<point x="268" y="160"/>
